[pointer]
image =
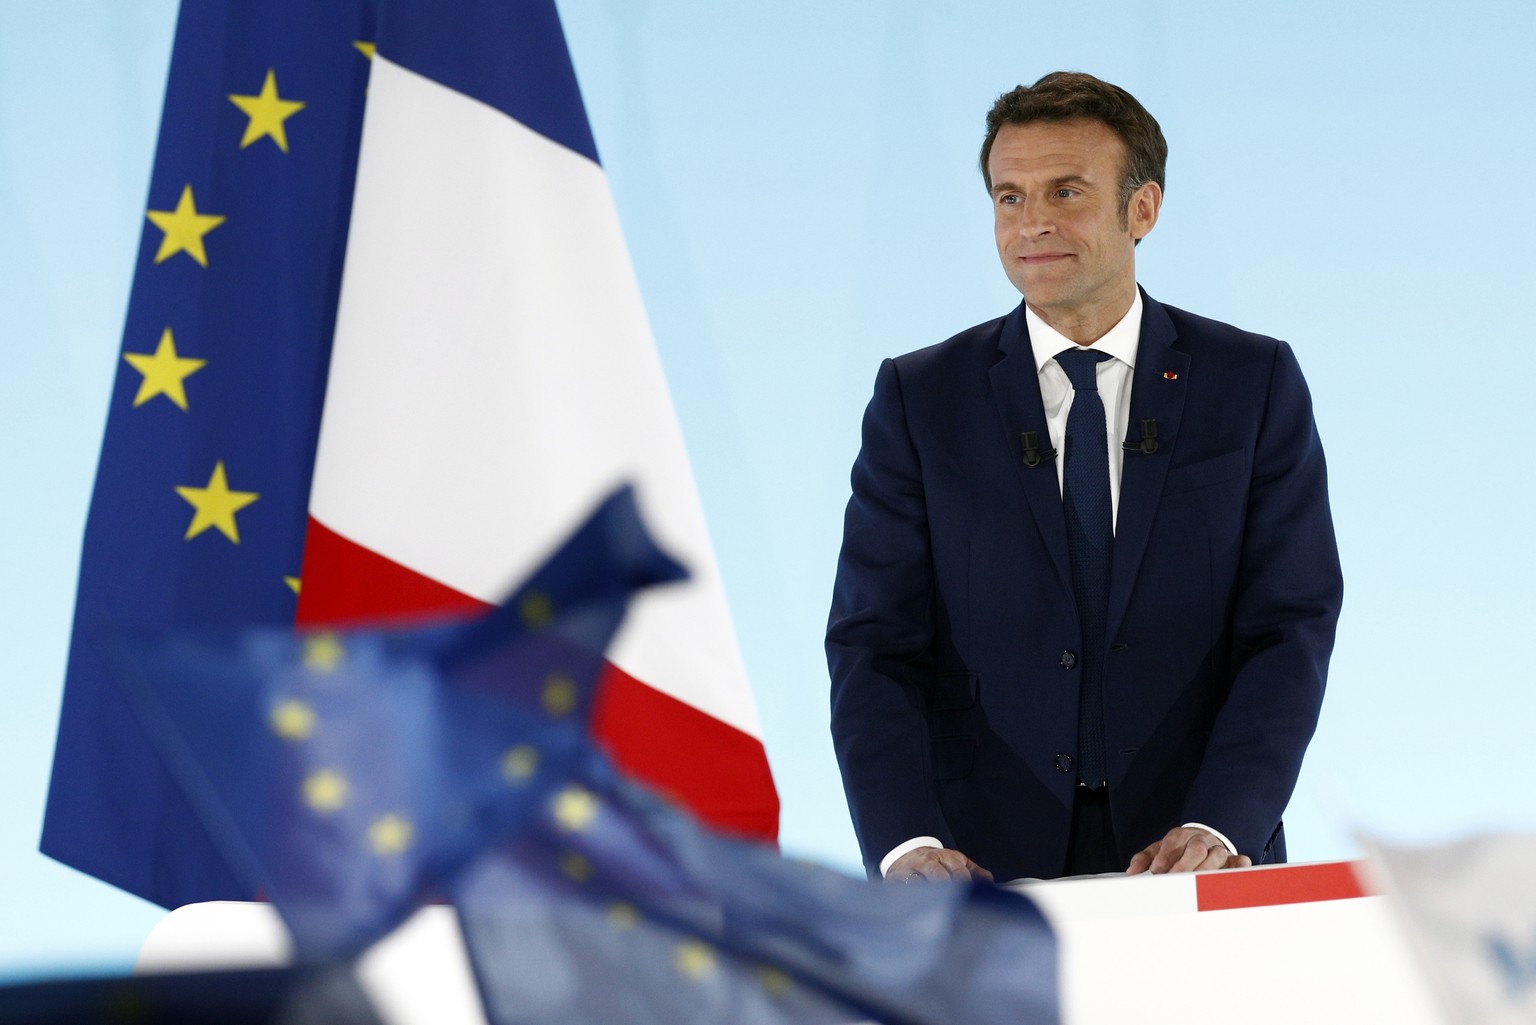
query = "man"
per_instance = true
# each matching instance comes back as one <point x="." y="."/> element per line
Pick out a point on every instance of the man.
<point x="1088" y="584"/>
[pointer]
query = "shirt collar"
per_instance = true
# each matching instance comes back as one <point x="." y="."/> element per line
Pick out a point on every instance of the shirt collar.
<point x="1120" y="341"/>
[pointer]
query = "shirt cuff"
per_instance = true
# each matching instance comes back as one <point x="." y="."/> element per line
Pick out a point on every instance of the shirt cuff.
<point x="1220" y="836"/>
<point x="912" y="845"/>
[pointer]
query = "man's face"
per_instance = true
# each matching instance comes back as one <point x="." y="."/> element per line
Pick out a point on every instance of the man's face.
<point x="1064" y="240"/>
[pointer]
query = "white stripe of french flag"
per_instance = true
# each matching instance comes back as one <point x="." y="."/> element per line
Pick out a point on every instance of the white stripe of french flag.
<point x="493" y="375"/>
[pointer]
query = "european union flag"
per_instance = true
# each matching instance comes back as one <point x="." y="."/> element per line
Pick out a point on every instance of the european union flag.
<point x="347" y="776"/>
<point x="610" y="906"/>
<point x="199" y="509"/>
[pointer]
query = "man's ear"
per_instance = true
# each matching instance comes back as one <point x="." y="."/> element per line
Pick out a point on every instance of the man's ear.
<point x="1141" y="211"/>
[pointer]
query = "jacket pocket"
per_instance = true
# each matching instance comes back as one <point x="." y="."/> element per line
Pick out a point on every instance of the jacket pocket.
<point x="952" y="692"/>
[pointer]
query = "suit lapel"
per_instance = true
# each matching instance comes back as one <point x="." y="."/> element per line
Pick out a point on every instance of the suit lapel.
<point x="1016" y="388"/>
<point x="1157" y="392"/>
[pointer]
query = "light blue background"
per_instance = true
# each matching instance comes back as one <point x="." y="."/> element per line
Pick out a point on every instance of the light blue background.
<point x="797" y="184"/>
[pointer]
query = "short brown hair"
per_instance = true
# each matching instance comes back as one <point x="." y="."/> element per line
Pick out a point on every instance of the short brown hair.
<point x="1071" y="95"/>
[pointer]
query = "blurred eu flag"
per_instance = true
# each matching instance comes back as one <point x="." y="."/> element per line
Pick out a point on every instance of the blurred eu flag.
<point x="349" y="776"/>
<point x="610" y="906"/>
<point x="198" y="513"/>
<point x="270" y="996"/>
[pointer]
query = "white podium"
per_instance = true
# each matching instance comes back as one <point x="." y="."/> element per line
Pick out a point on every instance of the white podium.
<point x="1281" y="944"/>
<point x="1277" y="944"/>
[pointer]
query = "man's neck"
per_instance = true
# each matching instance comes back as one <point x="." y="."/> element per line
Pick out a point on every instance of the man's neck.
<point x="1086" y="325"/>
<point x="1121" y="341"/>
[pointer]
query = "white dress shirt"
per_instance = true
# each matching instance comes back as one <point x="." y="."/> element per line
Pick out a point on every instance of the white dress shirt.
<point x="1113" y="377"/>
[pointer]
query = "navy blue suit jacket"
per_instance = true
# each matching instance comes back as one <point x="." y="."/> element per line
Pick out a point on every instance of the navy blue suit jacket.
<point x="954" y="707"/>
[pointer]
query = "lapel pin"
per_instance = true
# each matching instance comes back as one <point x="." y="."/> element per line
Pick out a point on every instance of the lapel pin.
<point x="1169" y="375"/>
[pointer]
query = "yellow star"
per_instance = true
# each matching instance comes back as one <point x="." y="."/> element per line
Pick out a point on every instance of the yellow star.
<point x="325" y="791"/>
<point x="389" y="834"/>
<point x="184" y="229"/>
<point x="293" y="720"/>
<point x="774" y="981"/>
<point x="323" y="652"/>
<point x="536" y="610"/>
<point x="575" y="808"/>
<point x="366" y="49"/>
<point x="559" y="695"/>
<point x="622" y="916"/>
<point x="520" y="763"/>
<point x="216" y="505"/>
<point x="695" y="960"/>
<point x="293" y="584"/>
<point x="164" y="372"/>
<point x="267" y="112"/>
<point x="575" y="868"/>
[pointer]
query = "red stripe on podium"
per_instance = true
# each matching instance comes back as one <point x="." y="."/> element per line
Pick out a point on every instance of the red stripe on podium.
<point x="1283" y="884"/>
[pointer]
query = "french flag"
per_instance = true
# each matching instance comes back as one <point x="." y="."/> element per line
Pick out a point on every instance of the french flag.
<point x="493" y="375"/>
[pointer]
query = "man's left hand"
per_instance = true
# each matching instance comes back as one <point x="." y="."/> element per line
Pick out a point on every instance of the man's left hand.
<point x="1186" y="849"/>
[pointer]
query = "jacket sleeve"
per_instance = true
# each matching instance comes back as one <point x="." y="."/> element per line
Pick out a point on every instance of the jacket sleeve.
<point x="1285" y="608"/>
<point x="880" y="633"/>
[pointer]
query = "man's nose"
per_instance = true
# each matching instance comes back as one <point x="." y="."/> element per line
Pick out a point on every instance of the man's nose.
<point x="1035" y="219"/>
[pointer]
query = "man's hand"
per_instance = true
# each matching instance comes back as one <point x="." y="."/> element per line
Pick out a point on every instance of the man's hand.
<point x="935" y="865"/>
<point x="1184" y="850"/>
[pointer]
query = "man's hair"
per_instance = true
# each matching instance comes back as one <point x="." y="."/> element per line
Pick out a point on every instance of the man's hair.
<point x="1072" y="95"/>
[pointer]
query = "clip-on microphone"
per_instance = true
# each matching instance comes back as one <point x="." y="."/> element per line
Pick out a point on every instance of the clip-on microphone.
<point x="1148" y="443"/>
<point x="1034" y="455"/>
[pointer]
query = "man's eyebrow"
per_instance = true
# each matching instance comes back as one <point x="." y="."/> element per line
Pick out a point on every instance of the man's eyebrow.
<point x="1066" y="179"/>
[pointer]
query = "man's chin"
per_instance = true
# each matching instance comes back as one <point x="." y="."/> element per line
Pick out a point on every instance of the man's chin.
<point x="1043" y="286"/>
<point x="1041" y="297"/>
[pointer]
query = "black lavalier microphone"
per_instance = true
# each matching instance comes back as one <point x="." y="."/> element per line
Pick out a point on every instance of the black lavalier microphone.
<point x="1034" y="455"/>
<point x="1148" y="443"/>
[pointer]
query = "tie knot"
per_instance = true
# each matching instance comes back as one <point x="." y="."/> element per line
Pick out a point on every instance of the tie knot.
<point x="1079" y="365"/>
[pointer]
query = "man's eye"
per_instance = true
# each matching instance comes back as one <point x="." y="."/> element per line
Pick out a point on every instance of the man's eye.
<point x="1065" y="193"/>
<point x="1008" y="200"/>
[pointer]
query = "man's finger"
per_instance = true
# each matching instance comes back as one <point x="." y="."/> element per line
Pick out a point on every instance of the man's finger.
<point x="1168" y="853"/>
<point x="1201" y="852"/>
<point x="950" y="863"/>
<point x="929" y="869"/>
<point x="925" y="873"/>
<point x="962" y="869"/>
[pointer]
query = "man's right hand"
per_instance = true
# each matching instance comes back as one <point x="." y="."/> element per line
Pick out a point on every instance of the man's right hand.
<point x="935" y="865"/>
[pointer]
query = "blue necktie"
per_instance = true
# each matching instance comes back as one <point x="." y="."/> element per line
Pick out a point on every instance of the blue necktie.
<point x="1090" y="544"/>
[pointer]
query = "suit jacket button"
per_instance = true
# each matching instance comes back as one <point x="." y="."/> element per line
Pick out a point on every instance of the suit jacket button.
<point x="1068" y="659"/>
<point x="1063" y="763"/>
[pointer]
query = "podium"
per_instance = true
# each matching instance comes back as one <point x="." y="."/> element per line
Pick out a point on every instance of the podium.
<point x="1280" y="944"/>
<point x="1273" y="944"/>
